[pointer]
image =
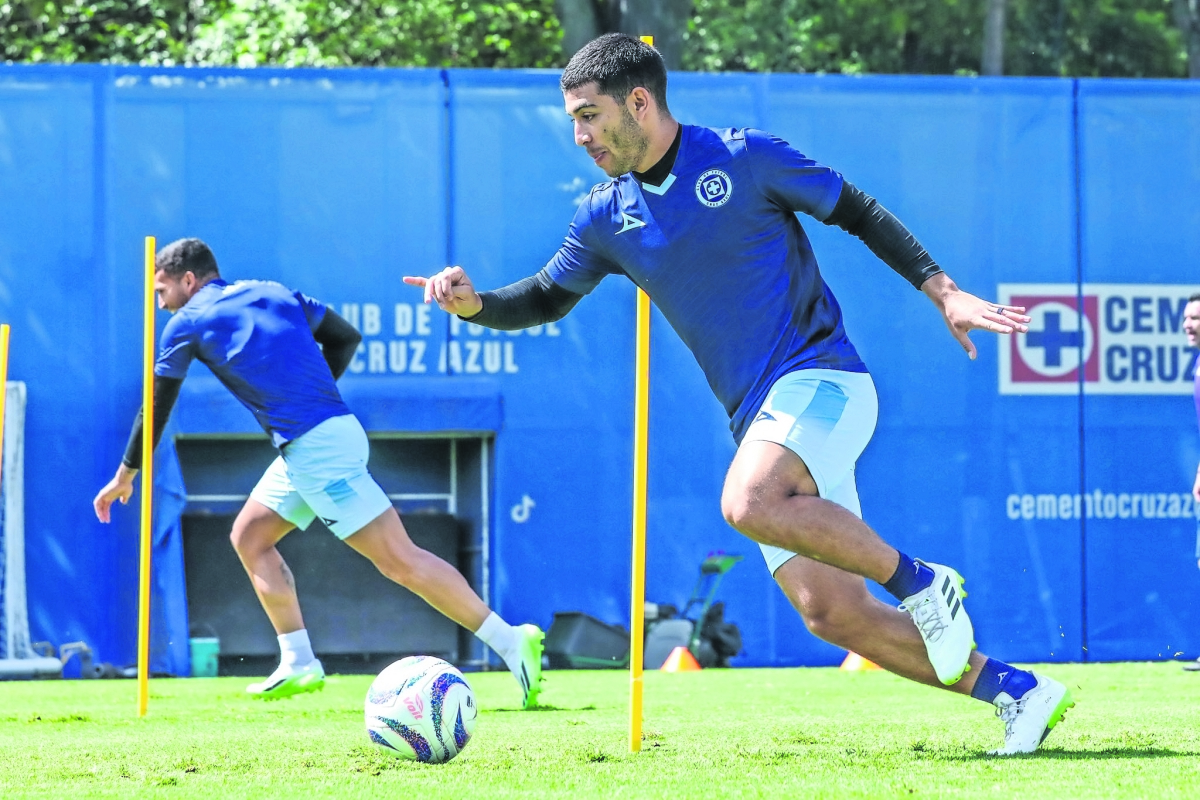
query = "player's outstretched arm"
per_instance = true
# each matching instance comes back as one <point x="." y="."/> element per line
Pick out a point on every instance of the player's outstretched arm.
<point x="861" y="215"/>
<point x="964" y="312"/>
<point x="451" y="289"/>
<point x="531" y="301"/>
<point x="166" y="392"/>
<point x="119" y="488"/>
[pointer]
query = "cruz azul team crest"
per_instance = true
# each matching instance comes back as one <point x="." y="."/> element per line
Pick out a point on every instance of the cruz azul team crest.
<point x="1109" y="338"/>
<point x="714" y="188"/>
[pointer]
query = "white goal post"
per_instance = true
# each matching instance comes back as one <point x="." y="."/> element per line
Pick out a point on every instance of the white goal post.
<point x="17" y="658"/>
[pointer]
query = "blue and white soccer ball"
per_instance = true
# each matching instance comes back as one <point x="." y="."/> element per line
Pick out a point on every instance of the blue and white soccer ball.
<point x="421" y="709"/>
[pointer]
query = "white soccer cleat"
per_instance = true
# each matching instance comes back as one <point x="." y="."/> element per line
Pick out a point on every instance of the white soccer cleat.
<point x="1028" y="721"/>
<point x="940" y="616"/>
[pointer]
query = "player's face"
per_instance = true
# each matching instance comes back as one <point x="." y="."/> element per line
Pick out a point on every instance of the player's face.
<point x="607" y="129"/>
<point x="1191" y="323"/>
<point x="173" y="293"/>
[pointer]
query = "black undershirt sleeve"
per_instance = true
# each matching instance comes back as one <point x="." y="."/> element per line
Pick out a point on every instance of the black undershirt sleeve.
<point x="535" y="300"/>
<point x="166" y="392"/>
<point x="338" y="340"/>
<point x="861" y="215"/>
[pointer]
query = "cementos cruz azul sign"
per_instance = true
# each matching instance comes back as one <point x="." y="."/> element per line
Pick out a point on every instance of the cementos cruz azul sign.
<point x="1111" y="338"/>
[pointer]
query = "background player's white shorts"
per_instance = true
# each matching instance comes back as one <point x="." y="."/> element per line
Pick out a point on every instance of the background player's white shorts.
<point x="826" y="417"/>
<point x="324" y="473"/>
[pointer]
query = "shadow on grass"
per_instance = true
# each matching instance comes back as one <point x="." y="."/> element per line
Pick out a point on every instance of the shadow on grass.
<point x="540" y="708"/>
<point x="1106" y="753"/>
<point x="1102" y="754"/>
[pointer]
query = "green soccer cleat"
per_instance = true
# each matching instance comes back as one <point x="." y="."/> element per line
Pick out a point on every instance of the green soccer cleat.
<point x="289" y="680"/>
<point x="530" y="671"/>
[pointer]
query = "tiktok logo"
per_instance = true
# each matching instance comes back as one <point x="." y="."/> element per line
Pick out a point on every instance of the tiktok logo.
<point x="520" y="512"/>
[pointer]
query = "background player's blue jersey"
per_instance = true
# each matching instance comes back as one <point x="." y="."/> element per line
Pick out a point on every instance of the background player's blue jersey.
<point x="257" y="338"/>
<point x="719" y="250"/>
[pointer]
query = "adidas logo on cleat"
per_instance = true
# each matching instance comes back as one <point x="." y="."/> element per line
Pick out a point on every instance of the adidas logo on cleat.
<point x="952" y="602"/>
<point x="948" y="634"/>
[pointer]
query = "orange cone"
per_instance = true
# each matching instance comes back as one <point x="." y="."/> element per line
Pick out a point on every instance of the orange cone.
<point x="856" y="663"/>
<point x="680" y="660"/>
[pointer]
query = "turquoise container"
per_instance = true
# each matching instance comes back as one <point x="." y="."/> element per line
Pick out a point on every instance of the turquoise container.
<point x="204" y="656"/>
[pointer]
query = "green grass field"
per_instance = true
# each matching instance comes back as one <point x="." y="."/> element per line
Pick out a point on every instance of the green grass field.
<point x="796" y="733"/>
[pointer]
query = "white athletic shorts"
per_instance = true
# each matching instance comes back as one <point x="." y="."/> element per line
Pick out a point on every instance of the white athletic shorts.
<point x="324" y="473"/>
<point x="826" y="417"/>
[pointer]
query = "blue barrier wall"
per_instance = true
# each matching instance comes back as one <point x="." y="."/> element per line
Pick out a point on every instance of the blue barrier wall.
<point x="1139" y="152"/>
<point x="1075" y="195"/>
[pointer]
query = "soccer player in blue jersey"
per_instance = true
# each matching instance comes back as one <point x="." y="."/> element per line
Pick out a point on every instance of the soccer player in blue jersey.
<point x="280" y="353"/>
<point x="704" y="221"/>
<point x="1191" y="329"/>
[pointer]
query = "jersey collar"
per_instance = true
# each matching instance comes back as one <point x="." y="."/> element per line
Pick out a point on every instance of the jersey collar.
<point x="659" y="178"/>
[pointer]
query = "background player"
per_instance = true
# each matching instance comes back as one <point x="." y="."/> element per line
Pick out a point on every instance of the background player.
<point x="703" y="220"/>
<point x="1191" y="329"/>
<point x="279" y="353"/>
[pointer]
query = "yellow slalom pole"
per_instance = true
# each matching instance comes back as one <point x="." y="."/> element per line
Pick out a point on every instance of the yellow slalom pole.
<point x="4" y="333"/>
<point x="637" y="594"/>
<point x="143" y="662"/>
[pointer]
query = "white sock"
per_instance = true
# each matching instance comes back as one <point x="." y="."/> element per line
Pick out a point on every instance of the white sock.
<point x="501" y="637"/>
<point x="295" y="649"/>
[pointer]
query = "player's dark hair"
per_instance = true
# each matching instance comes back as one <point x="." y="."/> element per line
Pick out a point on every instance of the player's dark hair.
<point x="618" y="63"/>
<point x="1194" y="297"/>
<point x="186" y="255"/>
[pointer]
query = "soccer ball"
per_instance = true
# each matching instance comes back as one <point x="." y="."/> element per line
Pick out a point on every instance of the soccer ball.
<point x="421" y="709"/>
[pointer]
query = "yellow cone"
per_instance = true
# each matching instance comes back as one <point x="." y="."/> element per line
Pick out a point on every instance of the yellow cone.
<point x="680" y="660"/>
<point x="856" y="663"/>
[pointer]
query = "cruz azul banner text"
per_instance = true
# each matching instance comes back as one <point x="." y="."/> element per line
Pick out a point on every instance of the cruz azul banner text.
<point x="1109" y="338"/>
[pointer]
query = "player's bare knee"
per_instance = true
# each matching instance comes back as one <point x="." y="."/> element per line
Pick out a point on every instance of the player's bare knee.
<point x="756" y="516"/>
<point x="837" y="616"/>
<point x="401" y="566"/>
<point x="396" y="570"/>
<point x="827" y="621"/>
<point x="244" y="539"/>
<point x="243" y="554"/>
<point x="742" y="510"/>
<point x="733" y="510"/>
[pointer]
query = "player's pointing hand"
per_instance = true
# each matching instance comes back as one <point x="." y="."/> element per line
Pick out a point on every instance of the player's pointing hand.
<point x="451" y="289"/>
<point x="964" y="312"/>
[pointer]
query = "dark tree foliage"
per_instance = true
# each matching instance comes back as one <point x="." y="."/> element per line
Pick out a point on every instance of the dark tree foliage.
<point x="1095" y="38"/>
<point x="453" y="33"/>
<point x="849" y="36"/>
<point x="425" y="33"/>
<point x="1132" y="38"/>
<point x="117" y="31"/>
